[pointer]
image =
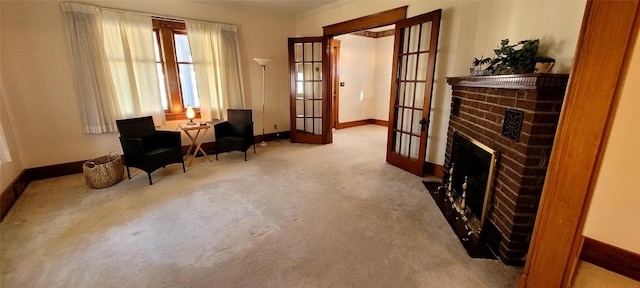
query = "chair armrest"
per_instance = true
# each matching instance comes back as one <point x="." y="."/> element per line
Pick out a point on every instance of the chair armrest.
<point x="222" y="129"/>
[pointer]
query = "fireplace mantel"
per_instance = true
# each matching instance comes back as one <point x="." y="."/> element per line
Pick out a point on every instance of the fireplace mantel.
<point x="517" y="116"/>
<point x="537" y="81"/>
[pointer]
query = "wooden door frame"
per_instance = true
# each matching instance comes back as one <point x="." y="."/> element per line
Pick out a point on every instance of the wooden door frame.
<point x="608" y="33"/>
<point x="383" y="18"/>
<point x="335" y="79"/>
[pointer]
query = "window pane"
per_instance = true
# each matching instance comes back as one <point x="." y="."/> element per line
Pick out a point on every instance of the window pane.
<point x="299" y="107"/>
<point x="317" y="68"/>
<point x="406" y="35"/>
<point x="317" y="125"/>
<point x="399" y="112"/>
<point x="420" y="87"/>
<point x="156" y="49"/>
<point x="308" y="109"/>
<point x="414" y="152"/>
<point x="417" y="127"/>
<point x="317" y="51"/>
<point x="414" y="37"/>
<point x="161" y="83"/>
<point x="308" y="72"/>
<point x="317" y="108"/>
<point x="297" y="48"/>
<point x="409" y="94"/>
<point x="411" y="67"/>
<point x="400" y="93"/>
<point x="308" y="127"/>
<point x="422" y="64"/>
<point x="308" y="90"/>
<point x="308" y="52"/>
<point x="183" y="51"/>
<point x="317" y="90"/>
<point x="406" y="120"/>
<point x="403" y="69"/>
<point x="188" y="85"/>
<point x="425" y="41"/>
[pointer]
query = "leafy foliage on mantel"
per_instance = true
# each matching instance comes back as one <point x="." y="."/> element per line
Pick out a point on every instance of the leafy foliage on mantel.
<point x="515" y="58"/>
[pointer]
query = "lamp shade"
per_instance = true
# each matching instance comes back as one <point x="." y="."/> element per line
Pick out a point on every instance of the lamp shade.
<point x="190" y="113"/>
<point x="262" y="61"/>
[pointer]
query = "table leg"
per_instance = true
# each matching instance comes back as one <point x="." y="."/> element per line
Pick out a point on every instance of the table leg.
<point x="196" y="142"/>
<point x="190" y="145"/>
<point x="199" y="144"/>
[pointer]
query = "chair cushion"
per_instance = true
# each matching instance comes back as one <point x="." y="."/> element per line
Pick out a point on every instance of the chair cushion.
<point x="158" y="151"/>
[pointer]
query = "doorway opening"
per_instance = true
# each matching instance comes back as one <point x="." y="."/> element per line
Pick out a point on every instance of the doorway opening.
<point x="361" y="64"/>
<point x="414" y="56"/>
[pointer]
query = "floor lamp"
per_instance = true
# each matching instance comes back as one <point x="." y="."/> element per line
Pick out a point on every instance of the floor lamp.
<point x="263" y="62"/>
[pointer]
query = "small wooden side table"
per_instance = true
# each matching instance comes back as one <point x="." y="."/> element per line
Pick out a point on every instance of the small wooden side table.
<point x="196" y="140"/>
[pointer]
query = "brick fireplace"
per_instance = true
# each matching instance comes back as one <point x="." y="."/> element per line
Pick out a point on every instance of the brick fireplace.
<point x="517" y="116"/>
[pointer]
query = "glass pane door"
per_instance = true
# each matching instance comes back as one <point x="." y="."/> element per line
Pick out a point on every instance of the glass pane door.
<point x="414" y="62"/>
<point x="308" y="96"/>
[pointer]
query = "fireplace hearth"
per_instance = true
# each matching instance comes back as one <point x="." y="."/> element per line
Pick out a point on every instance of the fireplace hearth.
<point x="514" y="117"/>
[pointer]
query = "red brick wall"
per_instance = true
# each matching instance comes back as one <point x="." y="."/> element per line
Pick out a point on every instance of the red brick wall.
<point x="522" y="164"/>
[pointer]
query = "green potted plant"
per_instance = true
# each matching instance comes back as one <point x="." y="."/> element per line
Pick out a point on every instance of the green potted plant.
<point x="476" y="66"/>
<point x="515" y="58"/>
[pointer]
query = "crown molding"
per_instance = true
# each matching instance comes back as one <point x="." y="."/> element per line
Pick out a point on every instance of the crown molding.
<point x="322" y="8"/>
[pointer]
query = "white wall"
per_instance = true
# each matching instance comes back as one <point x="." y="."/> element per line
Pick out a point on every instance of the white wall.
<point x="365" y="68"/>
<point x="382" y="77"/>
<point x="469" y="29"/>
<point x="357" y="63"/>
<point x="613" y="213"/>
<point x="38" y="82"/>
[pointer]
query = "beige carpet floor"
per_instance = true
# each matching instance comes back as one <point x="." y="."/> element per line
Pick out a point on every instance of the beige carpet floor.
<point x="592" y="276"/>
<point x="294" y="215"/>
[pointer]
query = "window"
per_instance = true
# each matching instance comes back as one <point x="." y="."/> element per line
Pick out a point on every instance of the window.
<point x="175" y="69"/>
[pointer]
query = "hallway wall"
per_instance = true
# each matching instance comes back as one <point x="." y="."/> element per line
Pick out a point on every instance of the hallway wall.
<point x="365" y="68"/>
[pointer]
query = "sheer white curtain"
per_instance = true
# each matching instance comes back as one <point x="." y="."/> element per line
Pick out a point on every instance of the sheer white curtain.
<point x="216" y="58"/>
<point x="129" y="49"/>
<point x="97" y="93"/>
<point x="114" y="64"/>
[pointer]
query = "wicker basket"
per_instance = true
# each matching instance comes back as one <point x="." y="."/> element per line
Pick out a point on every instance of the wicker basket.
<point x="103" y="171"/>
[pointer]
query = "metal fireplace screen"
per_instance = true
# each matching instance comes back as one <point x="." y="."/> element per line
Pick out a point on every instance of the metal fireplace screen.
<point x="477" y="162"/>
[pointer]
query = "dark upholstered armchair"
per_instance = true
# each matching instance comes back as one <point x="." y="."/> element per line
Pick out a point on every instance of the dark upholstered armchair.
<point x="148" y="149"/>
<point x="235" y="134"/>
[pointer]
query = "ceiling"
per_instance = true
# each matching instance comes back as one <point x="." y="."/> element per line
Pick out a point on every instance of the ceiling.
<point x="383" y="28"/>
<point x="282" y="7"/>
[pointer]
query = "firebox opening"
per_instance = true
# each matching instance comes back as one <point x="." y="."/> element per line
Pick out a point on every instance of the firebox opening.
<point x="476" y="163"/>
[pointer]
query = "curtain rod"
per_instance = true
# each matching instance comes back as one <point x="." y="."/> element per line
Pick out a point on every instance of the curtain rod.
<point x="175" y="19"/>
